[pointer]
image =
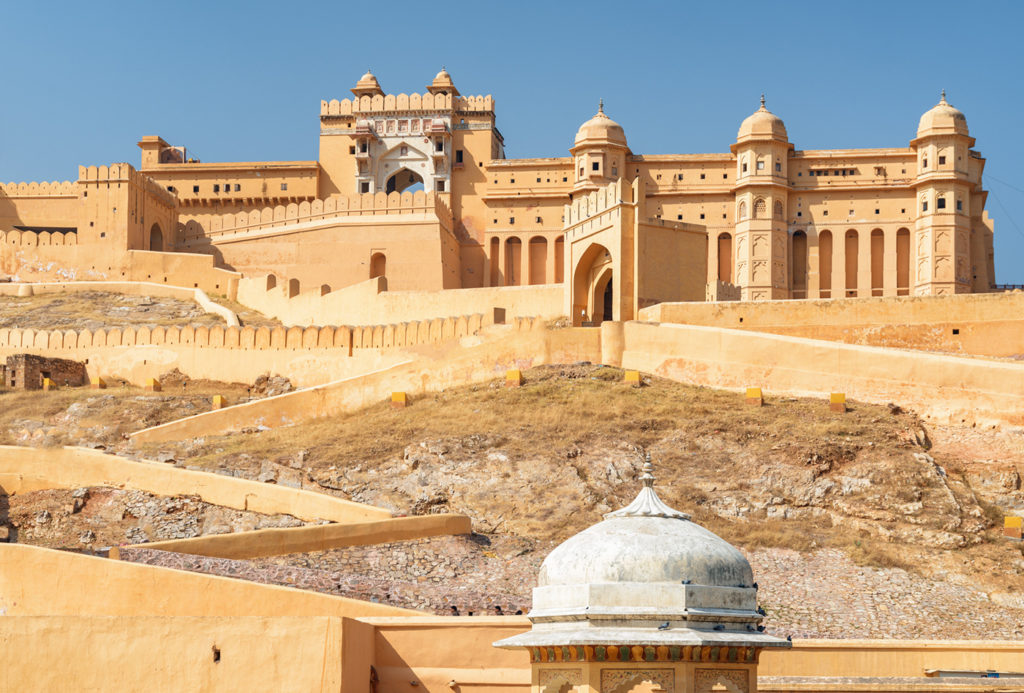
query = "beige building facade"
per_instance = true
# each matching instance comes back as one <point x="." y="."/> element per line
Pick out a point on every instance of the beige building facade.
<point x="416" y="188"/>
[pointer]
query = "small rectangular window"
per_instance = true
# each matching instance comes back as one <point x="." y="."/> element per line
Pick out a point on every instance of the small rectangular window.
<point x="352" y="149"/>
<point x="701" y="216"/>
<point x="725" y="175"/>
<point x="760" y="165"/>
<point x="595" y="166"/>
<point x="511" y="220"/>
<point x="615" y="170"/>
<point x="941" y="204"/>
<point x="679" y="217"/>
<point x="744" y="168"/>
<point x="511" y="180"/>
<point x="799" y="173"/>
<point x="581" y="171"/>
<point x="924" y="206"/>
<point x="216" y="187"/>
<point x="538" y="180"/>
<point x="959" y="205"/>
<point x="702" y="176"/>
<point x="565" y="179"/>
<point x="539" y="220"/>
<point x="440" y="186"/>
<point x="679" y="176"/>
<point x="364" y="186"/>
<point x="284" y="186"/>
<point x="458" y="156"/>
<point x="195" y="188"/>
<point x="439" y="146"/>
<point x="924" y="163"/>
<point x="825" y="213"/>
<point x="778" y="166"/>
<point x="877" y="211"/>
<point x="238" y="187"/>
<point x="799" y="214"/>
<point x="942" y="160"/>
<point x="170" y="188"/>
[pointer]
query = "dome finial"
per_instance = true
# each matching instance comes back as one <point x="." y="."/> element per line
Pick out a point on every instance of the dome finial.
<point x="600" y="106"/>
<point x="443" y="69"/>
<point x="943" y="100"/>
<point x="648" y="472"/>
<point x="762" y="99"/>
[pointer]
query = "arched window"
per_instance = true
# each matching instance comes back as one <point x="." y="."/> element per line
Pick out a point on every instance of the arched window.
<point x="778" y="209"/>
<point x="378" y="265"/>
<point x="760" y="209"/>
<point x="743" y="210"/>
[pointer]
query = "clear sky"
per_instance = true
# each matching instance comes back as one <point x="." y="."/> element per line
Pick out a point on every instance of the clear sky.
<point x="243" y="81"/>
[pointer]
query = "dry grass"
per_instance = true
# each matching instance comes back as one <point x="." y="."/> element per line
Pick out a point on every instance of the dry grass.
<point x="99" y="310"/>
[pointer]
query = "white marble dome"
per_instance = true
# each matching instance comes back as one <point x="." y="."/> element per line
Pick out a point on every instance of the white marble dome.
<point x="645" y="574"/>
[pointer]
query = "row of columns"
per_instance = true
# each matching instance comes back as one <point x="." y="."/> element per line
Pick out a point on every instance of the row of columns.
<point x="501" y="261"/>
<point x="814" y="275"/>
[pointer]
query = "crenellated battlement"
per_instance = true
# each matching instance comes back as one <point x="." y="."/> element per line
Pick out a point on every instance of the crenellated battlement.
<point x="395" y="103"/>
<point x="601" y="200"/>
<point x="319" y="210"/>
<point x="65" y="188"/>
<point x="126" y="173"/>
<point x="37" y="238"/>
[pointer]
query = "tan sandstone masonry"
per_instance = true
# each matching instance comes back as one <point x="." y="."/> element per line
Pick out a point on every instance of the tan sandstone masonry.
<point x="430" y="368"/>
<point x="975" y="324"/>
<point x="33" y="469"/>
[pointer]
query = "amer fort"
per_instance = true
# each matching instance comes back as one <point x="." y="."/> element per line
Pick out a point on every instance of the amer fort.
<point x="254" y="457"/>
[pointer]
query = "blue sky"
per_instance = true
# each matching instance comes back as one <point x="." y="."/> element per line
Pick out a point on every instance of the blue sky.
<point x="243" y="81"/>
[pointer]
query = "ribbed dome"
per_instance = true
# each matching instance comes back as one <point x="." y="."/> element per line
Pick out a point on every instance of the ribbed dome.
<point x="646" y="549"/>
<point x="645" y="575"/>
<point x="762" y="124"/>
<point x="942" y="119"/>
<point x="601" y="130"/>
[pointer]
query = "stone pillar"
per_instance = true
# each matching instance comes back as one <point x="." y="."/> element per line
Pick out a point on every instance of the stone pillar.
<point x="838" y="264"/>
<point x="863" y="262"/>
<point x="813" y="267"/>
<point x="502" y="279"/>
<point x="889" y="262"/>
<point x="550" y="274"/>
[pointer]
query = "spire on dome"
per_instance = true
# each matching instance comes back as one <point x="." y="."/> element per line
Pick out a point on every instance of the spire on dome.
<point x="647" y="503"/>
<point x="762" y="102"/>
<point x="943" y="99"/>
<point x="600" y="106"/>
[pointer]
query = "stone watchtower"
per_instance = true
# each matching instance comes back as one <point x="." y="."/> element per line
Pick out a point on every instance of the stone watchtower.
<point x="760" y="245"/>
<point x="943" y="189"/>
<point x="599" y="153"/>
<point x="644" y="601"/>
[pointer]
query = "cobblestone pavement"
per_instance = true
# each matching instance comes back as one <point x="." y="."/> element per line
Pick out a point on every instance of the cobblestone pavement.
<point x="825" y="595"/>
<point x="815" y="595"/>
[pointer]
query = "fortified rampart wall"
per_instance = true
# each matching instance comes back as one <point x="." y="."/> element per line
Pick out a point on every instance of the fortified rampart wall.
<point x="946" y="388"/>
<point x="370" y="302"/>
<point x="976" y="324"/>
<point x="308" y="356"/>
<point x="202" y="228"/>
<point x="45" y="257"/>
<point x="30" y="469"/>
<point x="430" y="368"/>
<point x="390" y="103"/>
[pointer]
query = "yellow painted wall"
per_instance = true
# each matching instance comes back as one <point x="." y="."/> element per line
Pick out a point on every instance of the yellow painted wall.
<point x="987" y="324"/>
<point x="285" y="540"/>
<point x="157" y="654"/>
<point x="31" y="469"/>
<point x="370" y="302"/>
<point x="947" y="388"/>
<point x="427" y="368"/>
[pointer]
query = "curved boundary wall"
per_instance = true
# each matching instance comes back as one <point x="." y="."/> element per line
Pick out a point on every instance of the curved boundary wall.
<point x="32" y="469"/>
<point x="972" y="324"/>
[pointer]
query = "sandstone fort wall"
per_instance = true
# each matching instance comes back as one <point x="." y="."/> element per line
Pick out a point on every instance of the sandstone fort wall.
<point x="29" y="469"/>
<point x="984" y="324"/>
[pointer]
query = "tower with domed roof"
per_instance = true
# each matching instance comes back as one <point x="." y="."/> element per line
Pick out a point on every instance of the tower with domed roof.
<point x="599" y="151"/>
<point x="944" y="188"/>
<point x="760" y="242"/>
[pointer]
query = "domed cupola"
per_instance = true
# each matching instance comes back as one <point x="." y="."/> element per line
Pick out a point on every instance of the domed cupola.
<point x="942" y="119"/>
<point x="367" y="86"/>
<point x="600" y="130"/>
<point x="599" y="151"/>
<point x="762" y="124"/>
<point x="443" y="84"/>
<point x="646" y="575"/>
